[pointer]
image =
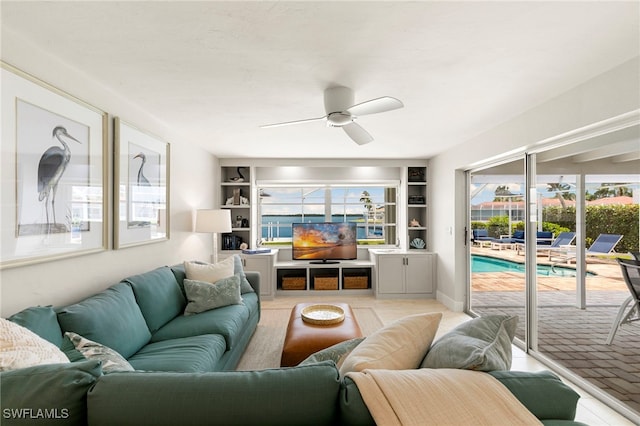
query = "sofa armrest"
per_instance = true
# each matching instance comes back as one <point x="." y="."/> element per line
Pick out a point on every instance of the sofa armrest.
<point x="542" y="392"/>
<point x="254" y="279"/>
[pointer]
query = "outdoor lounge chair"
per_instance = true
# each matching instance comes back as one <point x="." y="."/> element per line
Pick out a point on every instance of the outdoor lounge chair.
<point x="631" y="275"/>
<point x="481" y="237"/>
<point x="545" y="241"/>
<point x="602" y="246"/>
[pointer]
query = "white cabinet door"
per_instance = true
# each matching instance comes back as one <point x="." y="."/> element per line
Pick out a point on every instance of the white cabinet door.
<point x="419" y="273"/>
<point x="264" y="265"/>
<point x="390" y="269"/>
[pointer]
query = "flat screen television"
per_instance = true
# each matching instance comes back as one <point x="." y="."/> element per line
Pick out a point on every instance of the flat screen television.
<point x="326" y="242"/>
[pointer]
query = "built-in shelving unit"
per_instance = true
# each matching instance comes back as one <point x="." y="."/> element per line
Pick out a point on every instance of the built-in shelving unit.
<point x="347" y="276"/>
<point x="235" y="195"/>
<point x="416" y="207"/>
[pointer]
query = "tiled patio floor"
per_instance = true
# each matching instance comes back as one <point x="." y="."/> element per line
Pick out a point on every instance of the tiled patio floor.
<point x="573" y="337"/>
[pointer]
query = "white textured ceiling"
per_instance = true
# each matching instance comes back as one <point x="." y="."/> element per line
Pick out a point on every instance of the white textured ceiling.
<point x="213" y="72"/>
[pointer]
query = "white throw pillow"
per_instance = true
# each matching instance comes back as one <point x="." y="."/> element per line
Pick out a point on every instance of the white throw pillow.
<point x="209" y="272"/>
<point x="21" y="347"/>
<point x="400" y="345"/>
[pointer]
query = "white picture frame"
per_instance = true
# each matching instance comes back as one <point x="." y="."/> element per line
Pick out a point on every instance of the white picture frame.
<point x="141" y="188"/>
<point x="53" y="193"/>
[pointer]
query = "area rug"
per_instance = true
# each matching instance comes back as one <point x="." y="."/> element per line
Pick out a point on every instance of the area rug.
<point x="265" y="347"/>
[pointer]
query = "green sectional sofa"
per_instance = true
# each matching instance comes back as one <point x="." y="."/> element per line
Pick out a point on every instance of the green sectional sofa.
<point x="183" y="368"/>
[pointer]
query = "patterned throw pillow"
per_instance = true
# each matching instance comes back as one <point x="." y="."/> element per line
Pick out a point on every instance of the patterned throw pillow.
<point x="336" y="353"/>
<point x="204" y="296"/>
<point x="111" y="360"/>
<point x="21" y="347"/>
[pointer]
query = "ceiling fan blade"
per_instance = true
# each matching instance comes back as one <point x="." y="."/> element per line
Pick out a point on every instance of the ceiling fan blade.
<point x="357" y="133"/>
<point x="374" y="106"/>
<point x="287" y="123"/>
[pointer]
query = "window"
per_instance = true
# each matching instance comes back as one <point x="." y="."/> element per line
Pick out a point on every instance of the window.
<point x="372" y="208"/>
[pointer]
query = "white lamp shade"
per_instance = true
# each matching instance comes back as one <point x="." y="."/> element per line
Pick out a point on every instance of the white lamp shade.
<point x="213" y="221"/>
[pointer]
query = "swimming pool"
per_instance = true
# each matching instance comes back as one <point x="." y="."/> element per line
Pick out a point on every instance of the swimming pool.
<point x="491" y="264"/>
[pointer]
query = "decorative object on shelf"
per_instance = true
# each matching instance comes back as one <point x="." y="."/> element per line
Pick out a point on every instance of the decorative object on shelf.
<point x="255" y="251"/>
<point x="418" y="243"/>
<point x="322" y="314"/>
<point x="53" y="159"/>
<point x="245" y="223"/>
<point x="237" y="192"/>
<point x="239" y="178"/>
<point x="142" y="178"/>
<point x="238" y="221"/>
<point x="214" y="221"/>
<point x="244" y="247"/>
<point x="416" y="199"/>
<point x="414" y="223"/>
<point x="416" y="174"/>
<point x="231" y="242"/>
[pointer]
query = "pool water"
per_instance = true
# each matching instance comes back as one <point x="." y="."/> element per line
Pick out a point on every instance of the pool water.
<point x="490" y="264"/>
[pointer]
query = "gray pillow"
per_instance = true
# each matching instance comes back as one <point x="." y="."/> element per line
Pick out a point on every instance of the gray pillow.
<point x="245" y="286"/>
<point x="203" y="296"/>
<point x="482" y="344"/>
<point x="336" y="353"/>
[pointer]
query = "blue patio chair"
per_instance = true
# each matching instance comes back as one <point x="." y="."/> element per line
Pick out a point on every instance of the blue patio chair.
<point x="631" y="274"/>
<point x="544" y="244"/>
<point x="480" y="236"/>
<point x="602" y="246"/>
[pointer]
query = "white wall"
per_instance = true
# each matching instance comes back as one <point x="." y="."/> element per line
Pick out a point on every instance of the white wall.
<point x="192" y="187"/>
<point x="609" y="95"/>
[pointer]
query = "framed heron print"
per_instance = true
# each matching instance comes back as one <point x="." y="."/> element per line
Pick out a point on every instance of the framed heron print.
<point x="53" y="172"/>
<point x="142" y="186"/>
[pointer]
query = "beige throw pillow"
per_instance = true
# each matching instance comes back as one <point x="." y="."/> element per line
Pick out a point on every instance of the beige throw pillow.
<point x="21" y="347"/>
<point x="398" y="346"/>
<point x="209" y="272"/>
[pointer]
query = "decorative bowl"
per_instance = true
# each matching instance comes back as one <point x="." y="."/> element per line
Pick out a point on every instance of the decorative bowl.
<point x="322" y="314"/>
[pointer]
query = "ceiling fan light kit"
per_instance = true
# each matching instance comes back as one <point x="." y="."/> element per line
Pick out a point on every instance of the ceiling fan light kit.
<point x="341" y="112"/>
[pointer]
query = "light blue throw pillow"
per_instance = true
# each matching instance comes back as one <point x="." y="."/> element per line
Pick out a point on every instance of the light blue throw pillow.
<point x="203" y="296"/>
<point x="482" y="344"/>
<point x="238" y="269"/>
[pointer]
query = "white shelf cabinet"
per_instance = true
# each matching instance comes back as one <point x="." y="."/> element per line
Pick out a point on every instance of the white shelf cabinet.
<point x="235" y="195"/>
<point x="263" y="263"/>
<point x="404" y="274"/>
<point x="416" y="206"/>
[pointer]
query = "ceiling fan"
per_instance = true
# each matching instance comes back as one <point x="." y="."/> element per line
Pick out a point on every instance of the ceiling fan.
<point x="341" y="112"/>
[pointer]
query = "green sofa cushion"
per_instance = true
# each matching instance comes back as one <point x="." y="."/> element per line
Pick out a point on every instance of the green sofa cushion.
<point x="305" y="395"/>
<point x="111" y="317"/>
<point x="229" y="321"/>
<point x="41" y="320"/>
<point x="188" y="354"/>
<point x="542" y="392"/>
<point x="47" y="394"/>
<point x="158" y="295"/>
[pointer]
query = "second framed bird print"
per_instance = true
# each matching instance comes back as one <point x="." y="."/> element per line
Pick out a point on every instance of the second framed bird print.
<point x="53" y="173"/>
<point x="141" y="189"/>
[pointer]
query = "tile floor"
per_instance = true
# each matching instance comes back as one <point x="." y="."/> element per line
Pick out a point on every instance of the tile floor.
<point x="590" y="410"/>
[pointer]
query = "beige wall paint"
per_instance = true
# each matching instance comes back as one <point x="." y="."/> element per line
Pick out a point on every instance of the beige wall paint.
<point x="609" y="95"/>
<point x="192" y="186"/>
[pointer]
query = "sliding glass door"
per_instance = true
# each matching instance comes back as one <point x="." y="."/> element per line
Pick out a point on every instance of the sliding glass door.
<point x="497" y="201"/>
<point x="578" y="204"/>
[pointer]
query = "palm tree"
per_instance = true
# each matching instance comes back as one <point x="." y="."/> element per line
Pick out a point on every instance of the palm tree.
<point x="365" y="198"/>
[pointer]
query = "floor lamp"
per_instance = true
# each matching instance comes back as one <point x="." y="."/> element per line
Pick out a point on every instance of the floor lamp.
<point x="214" y="221"/>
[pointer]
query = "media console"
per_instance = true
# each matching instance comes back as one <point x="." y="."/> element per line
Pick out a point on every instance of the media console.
<point x="354" y="276"/>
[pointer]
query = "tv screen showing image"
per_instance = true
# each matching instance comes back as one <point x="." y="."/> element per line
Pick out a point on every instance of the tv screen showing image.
<point x="326" y="241"/>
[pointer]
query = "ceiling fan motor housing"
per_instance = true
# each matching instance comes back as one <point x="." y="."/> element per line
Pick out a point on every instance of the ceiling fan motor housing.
<point x="339" y="119"/>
